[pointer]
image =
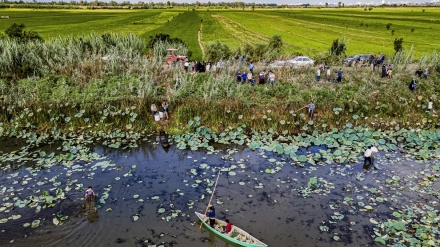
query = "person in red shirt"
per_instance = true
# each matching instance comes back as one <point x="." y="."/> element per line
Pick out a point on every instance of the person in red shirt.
<point x="228" y="228"/>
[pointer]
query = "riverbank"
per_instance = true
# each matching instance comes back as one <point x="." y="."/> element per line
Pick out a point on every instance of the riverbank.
<point x="123" y="102"/>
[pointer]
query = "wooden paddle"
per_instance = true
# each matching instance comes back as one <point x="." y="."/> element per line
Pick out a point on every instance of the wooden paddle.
<point x="301" y="108"/>
<point x="210" y="199"/>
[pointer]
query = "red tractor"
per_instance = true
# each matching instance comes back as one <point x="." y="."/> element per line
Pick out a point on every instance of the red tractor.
<point x="172" y="57"/>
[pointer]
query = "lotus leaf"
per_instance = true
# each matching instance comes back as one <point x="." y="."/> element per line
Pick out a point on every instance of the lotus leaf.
<point x="380" y="240"/>
<point x="35" y="223"/>
<point x="302" y="158"/>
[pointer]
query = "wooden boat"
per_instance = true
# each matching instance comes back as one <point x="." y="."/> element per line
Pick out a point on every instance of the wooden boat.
<point x="237" y="235"/>
<point x="163" y="139"/>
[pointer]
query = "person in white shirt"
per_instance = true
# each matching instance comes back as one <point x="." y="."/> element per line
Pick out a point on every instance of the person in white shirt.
<point x="327" y="76"/>
<point x="430" y="105"/>
<point x="367" y="158"/>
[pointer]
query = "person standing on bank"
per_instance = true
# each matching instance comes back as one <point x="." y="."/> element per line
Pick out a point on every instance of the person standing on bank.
<point x="165" y="109"/>
<point x="430" y="105"/>
<point x="271" y="78"/>
<point x="340" y="75"/>
<point x="328" y="74"/>
<point x="311" y="107"/>
<point x="318" y="74"/>
<point x="153" y="109"/>
<point x="211" y="216"/>
<point x="251" y="67"/>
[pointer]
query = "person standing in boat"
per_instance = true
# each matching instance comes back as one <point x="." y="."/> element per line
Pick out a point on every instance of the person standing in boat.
<point x="211" y="216"/>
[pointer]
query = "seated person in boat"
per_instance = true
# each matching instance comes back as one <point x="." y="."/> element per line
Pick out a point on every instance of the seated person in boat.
<point x="211" y="216"/>
<point x="228" y="227"/>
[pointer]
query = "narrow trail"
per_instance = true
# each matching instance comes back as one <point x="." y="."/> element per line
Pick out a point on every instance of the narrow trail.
<point x="199" y="39"/>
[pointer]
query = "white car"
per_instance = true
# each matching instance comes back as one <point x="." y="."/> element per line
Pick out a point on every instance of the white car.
<point x="301" y="61"/>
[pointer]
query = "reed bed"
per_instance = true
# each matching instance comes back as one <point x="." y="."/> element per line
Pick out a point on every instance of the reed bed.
<point x="98" y="83"/>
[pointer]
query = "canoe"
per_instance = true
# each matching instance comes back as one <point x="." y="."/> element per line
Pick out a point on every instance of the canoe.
<point x="164" y="139"/>
<point x="237" y="235"/>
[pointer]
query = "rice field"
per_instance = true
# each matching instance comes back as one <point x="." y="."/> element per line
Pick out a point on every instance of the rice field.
<point x="305" y="31"/>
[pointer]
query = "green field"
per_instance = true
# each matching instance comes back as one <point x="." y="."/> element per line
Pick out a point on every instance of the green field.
<point x="308" y="31"/>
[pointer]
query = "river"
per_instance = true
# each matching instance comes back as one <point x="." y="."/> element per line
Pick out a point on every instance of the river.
<point x="274" y="207"/>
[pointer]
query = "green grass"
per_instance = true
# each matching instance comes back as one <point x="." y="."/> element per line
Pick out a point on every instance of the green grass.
<point x="308" y="31"/>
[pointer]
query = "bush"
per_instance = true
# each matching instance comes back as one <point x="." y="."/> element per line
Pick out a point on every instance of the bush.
<point x="338" y="47"/>
<point x="16" y="31"/>
<point x="217" y="51"/>
<point x="164" y="37"/>
<point x="388" y="26"/>
<point x="398" y="45"/>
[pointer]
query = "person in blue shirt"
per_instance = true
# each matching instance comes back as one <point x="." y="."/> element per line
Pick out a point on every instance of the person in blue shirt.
<point x="251" y="67"/>
<point x="311" y="107"/>
<point x="211" y="216"/>
<point x="243" y="77"/>
<point x="340" y="75"/>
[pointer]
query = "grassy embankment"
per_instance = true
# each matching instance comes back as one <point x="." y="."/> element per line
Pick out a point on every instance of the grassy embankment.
<point x="117" y="94"/>
<point x="308" y="31"/>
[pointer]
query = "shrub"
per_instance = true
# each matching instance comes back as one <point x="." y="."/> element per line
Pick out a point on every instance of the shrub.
<point x="16" y="31"/>
<point x="388" y="26"/>
<point x="217" y="51"/>
<point x="338" y="47"/>
<point x="398" y="45"/>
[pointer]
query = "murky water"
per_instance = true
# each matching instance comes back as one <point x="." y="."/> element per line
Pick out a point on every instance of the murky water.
<point x="272" y="207"/>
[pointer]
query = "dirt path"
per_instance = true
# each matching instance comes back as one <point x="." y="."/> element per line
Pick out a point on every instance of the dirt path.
<point x="199" y="39"/>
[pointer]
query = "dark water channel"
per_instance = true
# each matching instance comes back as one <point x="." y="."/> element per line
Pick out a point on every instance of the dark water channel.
<point x="272" y="207"/>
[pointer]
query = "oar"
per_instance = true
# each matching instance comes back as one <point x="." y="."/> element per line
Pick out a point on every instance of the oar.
<point x="212" y="194"/>
<point x="301" y="108"/>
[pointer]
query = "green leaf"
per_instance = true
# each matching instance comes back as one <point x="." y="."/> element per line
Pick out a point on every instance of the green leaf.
<point x="302" y="158"/>
<point x="399" y="225"/>
<point x="380" y="240"/>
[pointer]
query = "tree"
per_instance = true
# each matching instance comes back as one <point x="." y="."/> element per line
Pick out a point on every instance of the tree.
<point x="276" y="44"/>
<point x="260" y="52"/>
<point x="16" y="31"/>
<point x="248" y="50"/>
<point x="398" y="45"/>
<point x="338" y="47"/>
<point x="217" y="51"/>
<point x="163" y="37"/>
<point x="388" y="26"/>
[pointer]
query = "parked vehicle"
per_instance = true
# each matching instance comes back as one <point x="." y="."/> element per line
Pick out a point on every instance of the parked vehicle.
<point x="301" y="61"/>
<point x="358" y="59"/>
<point x="172" y="57"/>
